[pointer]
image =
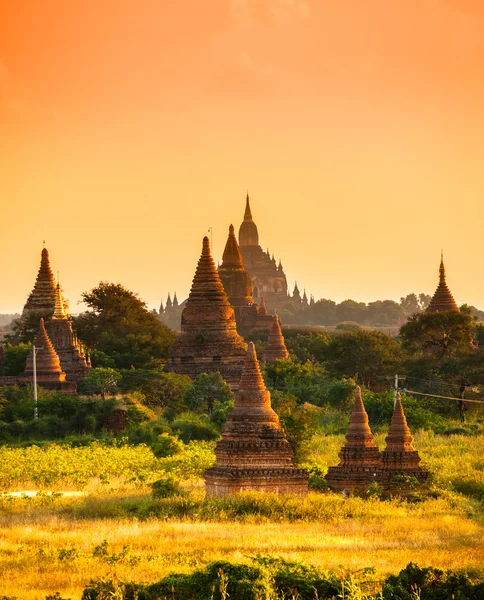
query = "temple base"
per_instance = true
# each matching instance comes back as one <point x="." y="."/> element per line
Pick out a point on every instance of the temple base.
<point x="352" y="481"/>
<point x="222" y="482"/>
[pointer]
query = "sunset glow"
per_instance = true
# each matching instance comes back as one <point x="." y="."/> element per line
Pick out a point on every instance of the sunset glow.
<point x="128" y="129"/>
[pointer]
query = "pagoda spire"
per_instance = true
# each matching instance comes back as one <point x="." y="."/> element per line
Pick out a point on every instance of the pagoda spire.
<point x="232" y="258"/>
<point x="276" y="348"/>
<point x="48" y="364"/>
<point x="442" y="300"/>
<point x="399" y="456"/>
<point x="248" y="234"/>
<point x="175" y="301"/>
<point x="248" y="213"/>
<point x="59" y="312"/>
<point x="209" y="340"/>
<point x="254" y="453"/>
<point x="41" y="300"/>
<point x="360" y="458"/>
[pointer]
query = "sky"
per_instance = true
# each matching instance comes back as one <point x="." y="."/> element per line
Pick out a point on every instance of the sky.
<point x="129" y="128"/>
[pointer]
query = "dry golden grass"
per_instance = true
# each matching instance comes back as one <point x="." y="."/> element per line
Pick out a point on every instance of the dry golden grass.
<point x="45" y="547"/>
<point x="41" y="554"/>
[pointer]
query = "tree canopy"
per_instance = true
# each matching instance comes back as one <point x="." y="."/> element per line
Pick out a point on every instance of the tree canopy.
<point x="120" y="326"/>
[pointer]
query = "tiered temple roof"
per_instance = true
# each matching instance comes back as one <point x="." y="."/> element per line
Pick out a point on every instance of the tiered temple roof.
<point x="360" y="458"/>
<point x="71" y="355"/>
<point x="254" y="453"/>
<point x="276" y="348"/>
<point x="399" y="456"/>
<point x="209" y="340"/>
<point x="235" y="279"/>
<point x="442" y="300"/>
<point x="268" y="279"/>
<point x="41" y="301"/>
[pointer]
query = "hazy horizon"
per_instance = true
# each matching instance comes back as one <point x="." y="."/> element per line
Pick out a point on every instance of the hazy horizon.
<point x="128" y="130"/>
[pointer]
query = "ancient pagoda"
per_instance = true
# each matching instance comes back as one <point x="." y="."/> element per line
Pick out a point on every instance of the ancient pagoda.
<point x="69" y="350"/>
<point x="41" y="301"/>
<point x="276" y="348"/>
<point x="238" y="287"/>
<point x="399" y="456"/>
<point x="268" y="279"/>
<point x="209" y="341"/>
<point x="442" y="300"/>
<point x="254" y="453"/>
<point x="360" y="458"/>
<point x="48" y="368"/>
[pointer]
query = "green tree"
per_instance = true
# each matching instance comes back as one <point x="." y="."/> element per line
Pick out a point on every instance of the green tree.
<point x="439" y="334"/>
<point x="209" y="390"/>
<point x="15" y="358"/>
<point x="101" y="381"/>
<point x="364" y="355"/>
<point x="120" y="326"/>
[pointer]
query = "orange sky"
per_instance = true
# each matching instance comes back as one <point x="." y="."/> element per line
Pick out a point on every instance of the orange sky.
<point x="128" y="128"/>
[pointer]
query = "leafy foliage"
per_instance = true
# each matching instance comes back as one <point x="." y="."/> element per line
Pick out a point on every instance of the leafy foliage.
<point x="120" y="326"/>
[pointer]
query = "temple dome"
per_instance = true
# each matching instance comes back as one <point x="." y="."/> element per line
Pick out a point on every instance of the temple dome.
<point x="248" y="234"/>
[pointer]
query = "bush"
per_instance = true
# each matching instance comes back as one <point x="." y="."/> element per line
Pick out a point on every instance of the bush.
<point x="166" y="445"/>
<point x="166" y="487"/>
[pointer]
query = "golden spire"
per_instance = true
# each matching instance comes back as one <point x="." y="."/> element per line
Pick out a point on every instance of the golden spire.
<point x="59" y="313"/>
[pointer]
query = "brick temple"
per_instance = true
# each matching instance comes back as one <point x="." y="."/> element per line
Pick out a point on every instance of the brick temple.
<point x="399" y="456"/>
<point x="442" y="300"/>
<point x="268" y="277"/>
<point x="238" y="287"/>
<point x="254" y="453"/>
<point x="49" y="371"/>
<point x="276" y="348"/>
<point x="360" y="458"/>
<point x="209" y="340"/>
<point x="70" y="352"/>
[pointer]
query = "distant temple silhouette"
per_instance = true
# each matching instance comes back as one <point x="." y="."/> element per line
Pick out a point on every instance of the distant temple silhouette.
<point x="442" y="300"/>
<point x="268" y="278"/>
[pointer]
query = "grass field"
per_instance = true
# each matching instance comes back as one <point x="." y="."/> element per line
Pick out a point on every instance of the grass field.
<point x="58" y="544"/>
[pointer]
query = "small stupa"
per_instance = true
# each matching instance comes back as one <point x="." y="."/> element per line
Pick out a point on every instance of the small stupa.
<point x="276" y="348"/>
<point x="442" y="300"/>
<point x="71" y="355"/>
<point x="48" y="368"/>
<point x="209" y="341"/>
<point x="360" y="458"/>
<point x="254" y="453"/>
<point x="399" y="456"/>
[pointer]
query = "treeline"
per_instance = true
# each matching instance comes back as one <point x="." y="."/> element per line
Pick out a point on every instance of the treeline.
<point x="381" y="313"/>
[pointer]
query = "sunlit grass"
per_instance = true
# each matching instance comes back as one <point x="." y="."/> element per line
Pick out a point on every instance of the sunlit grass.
<point x="48" y="543"/>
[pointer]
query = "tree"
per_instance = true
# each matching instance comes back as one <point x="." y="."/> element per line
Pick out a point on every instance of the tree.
<point x="208" y="391"/>
<point x="120" y="326"/>
<point x="439" y="334"/>
<point x="15" y="358"/>
<point x="101" y="381"/>
<point x="365" y="355"/>
<point x="349" y="310"/>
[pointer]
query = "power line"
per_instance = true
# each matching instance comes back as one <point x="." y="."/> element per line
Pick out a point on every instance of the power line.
<point x="444" y="397"/>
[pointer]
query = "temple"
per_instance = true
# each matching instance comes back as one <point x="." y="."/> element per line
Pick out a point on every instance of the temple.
<point x="399" y="456"/>
<point x="48" y="368"/>
<point x="268" y="278"/>
<point x="442" y="300"/>
<point x="70" y="352"/>
<point x="238" y="287"/>
<point x="209" y="341"/>
<point x="41" y="301"/>
<point x="276" y="348"/>
<point x="254" y="453"/>
<point x="360" y="458"/>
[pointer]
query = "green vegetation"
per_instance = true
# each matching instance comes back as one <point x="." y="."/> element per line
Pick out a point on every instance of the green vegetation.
<point x="120" y="330"/>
